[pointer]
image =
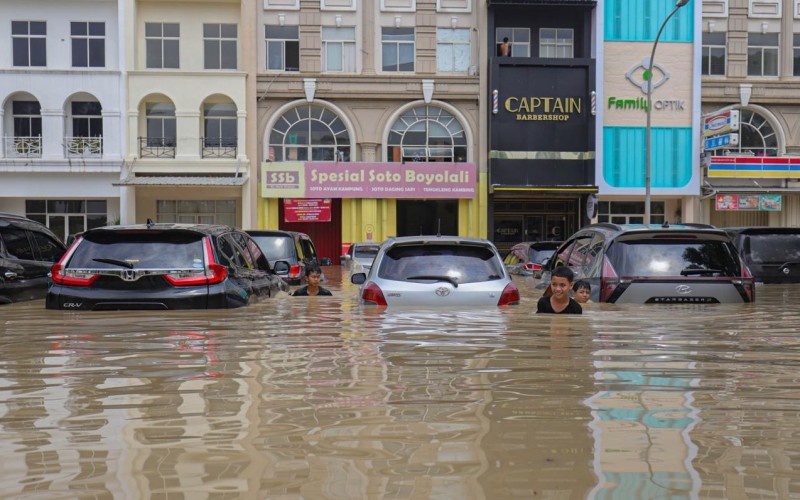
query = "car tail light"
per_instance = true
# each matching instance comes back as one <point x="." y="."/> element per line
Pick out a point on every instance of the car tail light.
<point x="61" y="279"/>
<point x="510" y="295"/>
<point x="748" y="283"/>
<point x="532" y="266"/>
<point x="609" y="281"/>
<point x="372" y="294"/>
<point x="294" y="271"/>
<point x="215" y="273"/>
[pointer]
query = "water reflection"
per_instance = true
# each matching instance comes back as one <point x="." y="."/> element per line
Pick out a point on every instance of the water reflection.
<point x="317" y="397"/>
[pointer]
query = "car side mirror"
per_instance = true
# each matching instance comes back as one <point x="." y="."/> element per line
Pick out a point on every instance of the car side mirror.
<point x="325" y="261"/>
<point x="281" y="267"/>
<point x="358" y="278"/>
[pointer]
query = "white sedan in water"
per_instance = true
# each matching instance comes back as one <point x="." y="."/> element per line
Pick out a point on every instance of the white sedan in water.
<point x="437" y="271"/>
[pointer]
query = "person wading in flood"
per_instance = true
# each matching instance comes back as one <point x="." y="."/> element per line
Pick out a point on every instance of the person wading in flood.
<point x="313" y="279"/>
<point x="559" y="302"/>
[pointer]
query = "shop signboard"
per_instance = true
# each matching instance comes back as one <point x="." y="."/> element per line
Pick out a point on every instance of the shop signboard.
<point x="721" y="123"/>
<point x="306" y="210"/>
<point x="764" y="202"/>
<point x="430" y="180"/>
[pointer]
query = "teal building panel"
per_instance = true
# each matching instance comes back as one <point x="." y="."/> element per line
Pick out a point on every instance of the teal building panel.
<point x="624" y="153"/>
<point x="639" y="20"/>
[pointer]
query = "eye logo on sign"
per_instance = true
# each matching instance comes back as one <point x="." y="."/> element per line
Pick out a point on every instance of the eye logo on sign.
<point x="638" y="75"/>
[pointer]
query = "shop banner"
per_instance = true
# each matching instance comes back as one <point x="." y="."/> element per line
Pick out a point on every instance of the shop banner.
<point x="368" y="180"/>
<point x="306" y="210"/>
<point x="768" y="202"/>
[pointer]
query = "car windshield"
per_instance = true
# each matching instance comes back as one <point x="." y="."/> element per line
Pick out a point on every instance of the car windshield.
<point x="276" y="247"/>
<point x="139" y="250"/>
<point x="366" y="251"/>
<point x="539" y="256"/>
<point x="462" y="263"/>
<point x="673" y="257"/>
<point x="774" y="248"/>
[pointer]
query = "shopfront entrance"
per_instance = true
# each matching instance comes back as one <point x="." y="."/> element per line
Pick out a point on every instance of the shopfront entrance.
<point x="517" y="220"/>
<point x="327" y="236"/>
<point x="416" y="217"/>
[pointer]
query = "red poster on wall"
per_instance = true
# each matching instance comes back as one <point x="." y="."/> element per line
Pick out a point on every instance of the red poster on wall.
<point x="307" y="210"/>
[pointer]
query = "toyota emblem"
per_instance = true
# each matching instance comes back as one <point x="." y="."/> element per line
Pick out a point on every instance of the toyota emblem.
<point x="442" y="291"/>
<point x="683" y="289"/>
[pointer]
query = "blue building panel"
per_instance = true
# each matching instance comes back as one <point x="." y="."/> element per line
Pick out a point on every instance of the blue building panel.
<point x="639" y="20"/>
<point x="624" y="157"/>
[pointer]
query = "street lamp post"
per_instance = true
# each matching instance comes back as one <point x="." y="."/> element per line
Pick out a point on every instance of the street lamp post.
<point x="649" y="77"/>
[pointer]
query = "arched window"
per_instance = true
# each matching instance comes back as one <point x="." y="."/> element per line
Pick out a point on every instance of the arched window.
<point x="309" y="133"/>
<point x="427" y="133"/>
<point x="756" y="136"/>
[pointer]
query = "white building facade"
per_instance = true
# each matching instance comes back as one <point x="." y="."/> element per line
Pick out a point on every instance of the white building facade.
<point x="61" y="112"/>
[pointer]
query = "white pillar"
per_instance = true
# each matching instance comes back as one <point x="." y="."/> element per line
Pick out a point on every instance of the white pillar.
<point x="127" y="205"/>
<point x="133" y="134"/>
<point x="188" y="126"/>
<point x="53" y="134"/>
<point x="111" y="133"/>
<point x="241" y="137"/>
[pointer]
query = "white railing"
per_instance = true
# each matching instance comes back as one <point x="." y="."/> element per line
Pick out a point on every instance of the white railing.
<point x="22" y="147"/>
<point x="85" y="147"/>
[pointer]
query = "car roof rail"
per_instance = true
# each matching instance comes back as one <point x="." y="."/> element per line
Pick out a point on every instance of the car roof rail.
<point x="609" y="225"/>
<point x="698" y="225"/>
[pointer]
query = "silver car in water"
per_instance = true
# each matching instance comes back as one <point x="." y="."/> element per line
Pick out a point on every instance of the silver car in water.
<point x="437" y="271"/>
<point x="359" y="256"/>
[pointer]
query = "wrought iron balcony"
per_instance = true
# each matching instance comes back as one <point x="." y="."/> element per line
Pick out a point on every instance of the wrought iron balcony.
<point x="22" y="147"/>
<point x="83" y="147"/>
<point x="218" y="147"/>
<point x="156" y="147"/>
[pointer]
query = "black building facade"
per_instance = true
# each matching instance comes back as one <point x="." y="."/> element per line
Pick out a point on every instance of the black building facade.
<point x="541" y="122"/>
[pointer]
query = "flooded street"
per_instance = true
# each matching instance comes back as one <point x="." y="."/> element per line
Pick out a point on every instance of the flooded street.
<point x="319" y="398"/>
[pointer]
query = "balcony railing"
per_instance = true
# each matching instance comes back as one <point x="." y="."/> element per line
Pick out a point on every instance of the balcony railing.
<point x="83" y="147"/>
<point x="156" y="147"/>
<point x="22" y="147"/>
<point x="218" y="147"/>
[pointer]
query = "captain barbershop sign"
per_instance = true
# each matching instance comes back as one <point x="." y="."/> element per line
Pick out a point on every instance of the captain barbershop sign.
<point x="368" y="180"/>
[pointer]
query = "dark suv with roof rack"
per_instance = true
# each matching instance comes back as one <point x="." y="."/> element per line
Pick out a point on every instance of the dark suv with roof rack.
<point x="27" y="250"/>
<point x="680" y="264"/>
<point x="163" y="266"/>
<point x="771" y="253"/>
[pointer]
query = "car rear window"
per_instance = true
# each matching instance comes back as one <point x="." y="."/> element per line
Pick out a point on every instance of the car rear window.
<point x="773" y="248"/>
<point x="539" y="256"/>
<point x="276" y="247"/>
<point x="465" y="263"/>
<point x="671" y="257"/>
<point x="150" y="250"/>
<point x="366" y="252"/>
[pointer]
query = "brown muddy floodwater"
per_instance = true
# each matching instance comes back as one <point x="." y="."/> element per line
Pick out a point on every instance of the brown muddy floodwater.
<point x="319" y="398"/>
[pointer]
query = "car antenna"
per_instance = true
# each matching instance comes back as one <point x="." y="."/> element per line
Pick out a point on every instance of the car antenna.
<point x="150" y="223"/>
<point x="665" y="224"/>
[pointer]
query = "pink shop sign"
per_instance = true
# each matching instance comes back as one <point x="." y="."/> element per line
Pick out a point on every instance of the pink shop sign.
<point x="368" y="180"/>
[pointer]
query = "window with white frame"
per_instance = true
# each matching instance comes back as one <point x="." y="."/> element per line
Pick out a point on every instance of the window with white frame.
<point x="88" y="44"/>
<point x="197" y="211"/>
<point x="27" y="116"/>
<point x="283" y="48"/>
<point x="29" y="41"/>
<point x="796" y="54"/>
<point x="87" y="119"/>
<point x="397" y="46"/>
<point x="161" y="124"/>
<point x="427" y="134"/>
<point x="713" y="54"/>
<point x="519" y="38"/>
<point x="68" y="217"/>
<point x="762" y="54"/>
<point x="220" y="125"/>
<point x="309" y="133"/>
<point x="452" y="50"/>
<point x="556" y="43"/>
<point x="162" y="45"/>
<point x="629" y="212"/>
<point x="219" y="46"/>
<point x="339" y="49"/>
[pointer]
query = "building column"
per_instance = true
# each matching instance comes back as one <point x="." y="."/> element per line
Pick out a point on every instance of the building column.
<point x="368" y="38"/>
<point x="53" y="134"/>
<point x="369" y="151"/>
<point x="786" y="50"/>
<point x="188" y="126"/>
<point x="3" y="133"/>
<point x="127" y="205"/>
<point x="241" y="136"/>
<point x="133" y="134"/>
<point x="112" y="133"/>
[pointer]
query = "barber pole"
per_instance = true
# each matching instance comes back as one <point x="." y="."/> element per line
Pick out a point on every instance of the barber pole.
<point x="495" y="102"/>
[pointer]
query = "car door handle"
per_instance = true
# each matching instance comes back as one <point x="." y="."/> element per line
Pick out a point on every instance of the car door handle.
<point x="10" y="275"/>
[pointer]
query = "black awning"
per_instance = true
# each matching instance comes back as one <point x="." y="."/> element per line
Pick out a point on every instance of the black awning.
<point x="587" y="3"/>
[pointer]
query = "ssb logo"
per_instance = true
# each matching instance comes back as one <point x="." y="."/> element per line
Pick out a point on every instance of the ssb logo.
<point x="283" y="179"/>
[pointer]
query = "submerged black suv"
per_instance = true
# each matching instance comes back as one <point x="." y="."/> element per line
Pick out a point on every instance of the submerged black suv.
<point x="163" y="266"/>
<point x="771" y="253"/>
<point x="27" y="250"/>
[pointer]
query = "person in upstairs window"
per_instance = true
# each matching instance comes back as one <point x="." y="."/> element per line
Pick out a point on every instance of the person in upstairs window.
<point x="559" y="302"/>
<point x="313" y="279"/>
<point x="505" y="48"/>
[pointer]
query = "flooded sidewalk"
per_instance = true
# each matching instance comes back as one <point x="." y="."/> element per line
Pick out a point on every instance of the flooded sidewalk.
<point x="321" y="398"/>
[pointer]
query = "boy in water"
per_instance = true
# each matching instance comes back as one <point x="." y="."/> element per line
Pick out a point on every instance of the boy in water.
<point x="560" y="302"/>
<point x="582" y="290"/>
<point x="313" y="279"/>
